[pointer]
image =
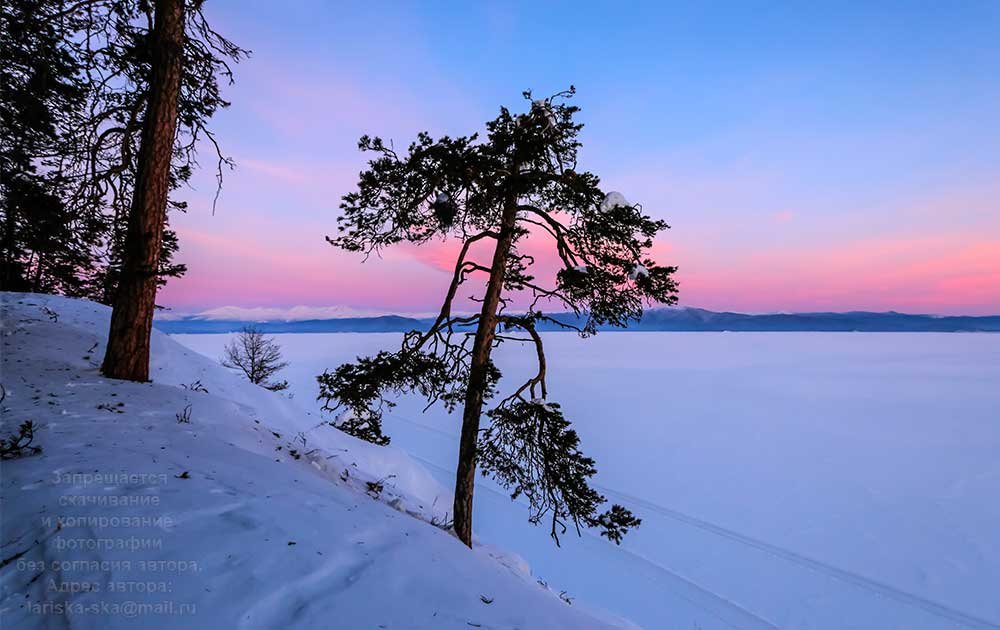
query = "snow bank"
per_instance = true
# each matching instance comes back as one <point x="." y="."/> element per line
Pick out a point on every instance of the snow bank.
<point x="253" y="514"/>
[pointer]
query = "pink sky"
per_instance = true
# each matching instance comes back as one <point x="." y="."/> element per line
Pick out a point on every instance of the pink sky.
<point x="267" y="263"/>
<point x="743" y="242"/>
<point x="840" y="174"/>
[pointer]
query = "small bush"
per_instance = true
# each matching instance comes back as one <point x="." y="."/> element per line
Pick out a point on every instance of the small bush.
<point x="258" y="357"/>
<point x="20" y="445"/>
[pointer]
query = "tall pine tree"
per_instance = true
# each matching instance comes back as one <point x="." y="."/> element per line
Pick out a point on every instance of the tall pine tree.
<point x="83" y="216"/>
<point x="127" y="354"/>
<point x="519" y="181"/>
<point x="104" y="167"/>
<point x="75" y="80"/>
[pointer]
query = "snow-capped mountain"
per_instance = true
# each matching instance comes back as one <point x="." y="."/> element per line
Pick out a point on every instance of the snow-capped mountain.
<point x="307" y="319"/>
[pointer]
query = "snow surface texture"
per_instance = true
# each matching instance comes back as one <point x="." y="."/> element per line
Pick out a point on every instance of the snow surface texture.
<point x="252" y="514"/>
<point x="830" y="481"/>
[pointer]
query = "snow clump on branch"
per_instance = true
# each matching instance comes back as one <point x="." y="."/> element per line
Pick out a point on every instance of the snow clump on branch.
<point x="613" y="200"/>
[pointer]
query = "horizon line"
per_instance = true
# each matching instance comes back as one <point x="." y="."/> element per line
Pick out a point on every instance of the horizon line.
<point x="303" y="313"/>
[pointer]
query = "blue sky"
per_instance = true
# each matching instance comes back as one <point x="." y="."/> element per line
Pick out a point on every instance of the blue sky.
<point x="809" y="156"/>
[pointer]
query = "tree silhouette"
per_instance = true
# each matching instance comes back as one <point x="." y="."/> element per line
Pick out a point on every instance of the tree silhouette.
<point x="157" y="73"/>
<point x="76" y="82"/>
<point x="520" y="180"/>
<point x="44" y="244"/>
<point x="257" y="356"/>
<point x="127" y="354"/>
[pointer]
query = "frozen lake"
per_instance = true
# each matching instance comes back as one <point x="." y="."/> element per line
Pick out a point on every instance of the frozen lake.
<point x="791" y="480"/>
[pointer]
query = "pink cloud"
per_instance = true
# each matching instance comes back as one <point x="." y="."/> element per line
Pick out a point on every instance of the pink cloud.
<point x="945" y="273"/>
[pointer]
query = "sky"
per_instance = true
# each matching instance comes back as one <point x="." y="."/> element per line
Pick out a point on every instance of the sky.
<point x="808" y="156"/>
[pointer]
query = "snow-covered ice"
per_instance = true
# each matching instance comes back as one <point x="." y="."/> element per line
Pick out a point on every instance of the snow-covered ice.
<point x="254" y="514"/>
<point x="826" y="481"/>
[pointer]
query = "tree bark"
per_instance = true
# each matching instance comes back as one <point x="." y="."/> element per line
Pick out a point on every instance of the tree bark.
<point x="465" y="476"/>
<point x="127" y="355"/>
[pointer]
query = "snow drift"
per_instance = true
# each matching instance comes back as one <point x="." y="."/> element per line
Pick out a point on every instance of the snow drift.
<point x="200" y="500"/>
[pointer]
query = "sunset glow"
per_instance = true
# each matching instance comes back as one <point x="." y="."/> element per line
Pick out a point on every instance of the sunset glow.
<point x="871" y="184"/>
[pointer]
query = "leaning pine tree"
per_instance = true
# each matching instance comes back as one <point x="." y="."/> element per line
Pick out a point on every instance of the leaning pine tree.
<point x="519" y="182"/>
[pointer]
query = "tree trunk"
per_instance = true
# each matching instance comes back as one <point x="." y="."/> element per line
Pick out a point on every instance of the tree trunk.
<point x="11" y="276"/>
<point x="465" y="476"/>
<point x="37" y="282"/>
<point x="127" y="356"/>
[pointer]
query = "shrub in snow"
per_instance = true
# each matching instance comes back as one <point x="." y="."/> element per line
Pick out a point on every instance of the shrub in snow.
<point x="195" y="387"/>
<point x="20" y="444"/>
<point x="257" y="356"/>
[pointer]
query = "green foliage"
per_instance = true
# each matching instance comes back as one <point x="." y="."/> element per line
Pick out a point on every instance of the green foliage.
<point x="455" y="187"/>
<point x="359" y="388"/>
<point x="43" y="243"/>
<point x="616" y="522"/>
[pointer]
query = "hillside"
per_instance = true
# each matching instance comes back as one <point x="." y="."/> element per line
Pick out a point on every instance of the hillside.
<point x="199" y="500"/>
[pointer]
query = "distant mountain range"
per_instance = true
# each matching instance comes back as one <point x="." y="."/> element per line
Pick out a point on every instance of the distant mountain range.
<point x="662" y="319"/>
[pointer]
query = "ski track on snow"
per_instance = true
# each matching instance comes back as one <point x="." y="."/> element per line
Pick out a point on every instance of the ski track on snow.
<point x="843" y="575"/>
<point x="705" y="595"/>
<point x="725" y="610"/>
<point x="292" y="599"/>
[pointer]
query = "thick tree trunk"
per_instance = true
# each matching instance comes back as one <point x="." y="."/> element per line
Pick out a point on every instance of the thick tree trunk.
<point x="127" y="356"/>
<point x="465" y="477"/>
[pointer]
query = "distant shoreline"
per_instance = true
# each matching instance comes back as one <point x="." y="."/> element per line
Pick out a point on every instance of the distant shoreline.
<point x="656" y="320"/>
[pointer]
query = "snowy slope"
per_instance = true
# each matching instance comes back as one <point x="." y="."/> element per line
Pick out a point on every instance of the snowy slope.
<point x="252" y="515"/>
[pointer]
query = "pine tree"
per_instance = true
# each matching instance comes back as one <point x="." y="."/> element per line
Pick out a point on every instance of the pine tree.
<point x="104" y="166"/>
<point x="518" y="182"/>
<point x="127" y="354"/>
<point x="75" y="83"/>
<point x="43" y="243"/>
<point x="152" y="75"/>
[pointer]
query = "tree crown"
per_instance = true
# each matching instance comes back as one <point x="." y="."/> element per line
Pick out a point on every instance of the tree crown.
<point x="456" y="188"/>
